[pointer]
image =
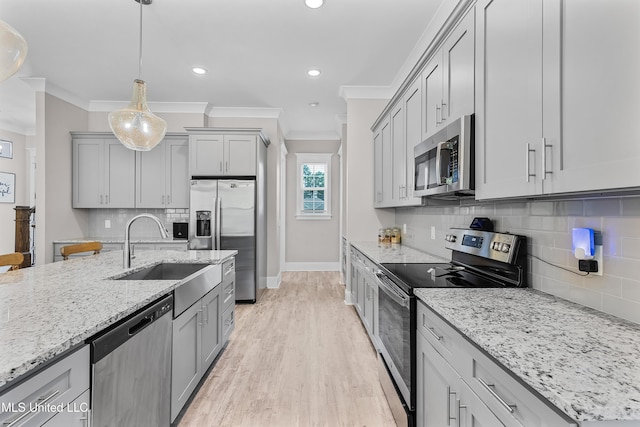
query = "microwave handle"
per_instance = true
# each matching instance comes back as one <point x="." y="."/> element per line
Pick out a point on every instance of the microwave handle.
<point x="442" y="146"/>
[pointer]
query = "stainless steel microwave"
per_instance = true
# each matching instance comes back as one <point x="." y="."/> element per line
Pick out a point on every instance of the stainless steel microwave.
<point x="444" y="162"/>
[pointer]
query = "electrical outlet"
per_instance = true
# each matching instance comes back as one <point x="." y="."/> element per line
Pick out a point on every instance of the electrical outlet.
<point x="107" y="223"/>
<point x="433" y="233"/>
<point x="404" y="228"/>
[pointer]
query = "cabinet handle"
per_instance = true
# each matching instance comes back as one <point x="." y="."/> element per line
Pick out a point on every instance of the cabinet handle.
<point x="106" y="199"/>
<point x="459" y="406"/>
<point x="437" y="109"/>
<point x="528" y="169"/>
<point x="544" y="158"/>
<point x="40" y="401"/>
<point x="85" y="418"/>
<point x="205" y="309"/>
<point x="163" y="200"/>
<point x="226" y="166"/>
<point x="168" y="199"/>
<point x="200" y="315"/>
<point x="444" y="104"/>
<point x="449" y="393"/>
<point x="508" y="407"/>
<point x="433" y="333"/>
<point x="220" y="166"/>
<point x="101" y="199"/>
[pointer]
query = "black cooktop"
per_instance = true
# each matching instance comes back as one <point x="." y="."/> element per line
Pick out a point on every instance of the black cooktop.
<point x="410" y="276"/>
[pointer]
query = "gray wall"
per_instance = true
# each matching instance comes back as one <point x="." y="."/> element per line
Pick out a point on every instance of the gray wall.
<point x="312" y="244"/>
<point x="548" y="225"/>
<point x="17" y="165"/>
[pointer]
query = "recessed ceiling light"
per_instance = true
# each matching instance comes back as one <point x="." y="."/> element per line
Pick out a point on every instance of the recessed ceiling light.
<point x="199" y="70"/>
<point x="314" y="4"/>
<point x="313" y="72"/>
<point x="314" y="104"/>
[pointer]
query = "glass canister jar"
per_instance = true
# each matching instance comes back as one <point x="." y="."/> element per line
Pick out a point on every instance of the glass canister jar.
<point x="396" y="235"/>
<point x="387" y="235"/>
<point x="381" y="235"/>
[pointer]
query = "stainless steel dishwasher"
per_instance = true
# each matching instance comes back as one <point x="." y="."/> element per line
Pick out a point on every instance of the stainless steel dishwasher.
<point x="131" y="369"/>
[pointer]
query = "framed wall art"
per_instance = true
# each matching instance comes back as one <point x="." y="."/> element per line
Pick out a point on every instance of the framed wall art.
<point x="7" y="187"/>
<point x="6" y="149"/>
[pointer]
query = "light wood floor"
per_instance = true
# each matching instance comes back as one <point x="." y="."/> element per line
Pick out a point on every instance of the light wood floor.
<point x="300" y="357"/>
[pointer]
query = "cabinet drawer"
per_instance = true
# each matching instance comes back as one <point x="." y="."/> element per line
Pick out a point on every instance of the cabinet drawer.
<point x="228" y="323"/>
<point x="447" y="341"/>
<point x="228" y="268"/>
<point x="59" y="384"/>
<point x="228" y="291"/>
<point x="512" y="402"/>
<point x="76" y="414"/>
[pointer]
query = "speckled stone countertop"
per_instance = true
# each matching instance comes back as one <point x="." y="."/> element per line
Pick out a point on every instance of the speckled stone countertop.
<point x="585" y="362"/>
<point x="117" y="240"/>
<point x="395" y="253"/>
<point x="46" y="310"/>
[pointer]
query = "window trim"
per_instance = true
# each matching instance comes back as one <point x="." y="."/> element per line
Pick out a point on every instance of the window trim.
<point x="304" y="158"/>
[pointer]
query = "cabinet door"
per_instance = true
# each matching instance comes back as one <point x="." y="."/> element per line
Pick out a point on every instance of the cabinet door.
<point x="398" y="159"/>
<point x="186" y="363"/>
<point x="509" y="97"/>
<point x="387" y="165"/>
<point x="598" y="93"/>
<point x="353" y="278"/>
<point x="177" y="173"/>
<point x="211" y="329"/>
<point x="120" y="175"/>
<point x="88" y="173"/>
<point x="377" y="168"/>
<point x="432" y="95"/>
<point x="436" y="387"/>
<point x="458" y="70"/>
<point x="240" y="155"/>
<point x="150" y="178"/>
<point x="206" y="154"/>
<point x="413" y="136"/>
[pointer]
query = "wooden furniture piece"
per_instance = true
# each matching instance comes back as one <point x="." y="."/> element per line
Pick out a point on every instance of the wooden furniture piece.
<point x="65" y="251"/>
<point x="14" y="259"/>
<point x="23" y="233"/>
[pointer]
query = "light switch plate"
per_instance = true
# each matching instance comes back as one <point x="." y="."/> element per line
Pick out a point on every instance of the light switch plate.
<point x="107" y="223"/>
<point x="433" y="233"/>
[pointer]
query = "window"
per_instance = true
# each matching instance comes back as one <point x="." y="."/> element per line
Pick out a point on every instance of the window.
<point x="314" y="185"/>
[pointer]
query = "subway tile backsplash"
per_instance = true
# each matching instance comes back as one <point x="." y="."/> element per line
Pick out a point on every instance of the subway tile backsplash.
<point x="548" y="226"/>
<point x="141" y="229"/>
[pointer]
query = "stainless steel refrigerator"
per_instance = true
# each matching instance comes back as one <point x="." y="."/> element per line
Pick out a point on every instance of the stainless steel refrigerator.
<point x="223" y="215"/>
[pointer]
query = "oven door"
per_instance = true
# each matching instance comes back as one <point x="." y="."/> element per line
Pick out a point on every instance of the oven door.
<point x="395" y="326"/>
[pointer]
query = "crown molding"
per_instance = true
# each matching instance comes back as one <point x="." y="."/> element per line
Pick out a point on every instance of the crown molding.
<point x="312" y="136"/>
<point x="366" y="92"/>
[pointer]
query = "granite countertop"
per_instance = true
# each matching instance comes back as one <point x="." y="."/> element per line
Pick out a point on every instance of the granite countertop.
<point x="48" y="309"/>
<point x="117" y="240"/>
<point x="395" y="253"/>
<point x="585" y="362"/>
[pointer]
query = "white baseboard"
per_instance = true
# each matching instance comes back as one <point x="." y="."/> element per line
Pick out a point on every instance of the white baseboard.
<point x="348" y="297"/>
<point x="274" y="282"/>
<point x="312" y="266"/>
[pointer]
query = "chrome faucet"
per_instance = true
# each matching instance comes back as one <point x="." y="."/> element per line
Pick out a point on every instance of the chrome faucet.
<point x="127" y="244"/>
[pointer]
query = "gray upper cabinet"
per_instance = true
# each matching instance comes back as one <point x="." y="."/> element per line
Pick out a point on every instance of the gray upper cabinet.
<point x="448" y="78"/>
<point x="103" y="172"/>
<point x="382" y="162"/>
<point x="162" y="175"/>
<point x="550" y="119"/>
<point x="218" y="154"/>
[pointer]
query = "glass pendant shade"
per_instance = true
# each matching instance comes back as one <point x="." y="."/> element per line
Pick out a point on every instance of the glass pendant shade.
<point x="13" y="51"/>
<point x="136" y="126"/>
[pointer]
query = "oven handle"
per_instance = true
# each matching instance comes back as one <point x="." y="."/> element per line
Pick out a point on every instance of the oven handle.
<point x="392" y="289"/>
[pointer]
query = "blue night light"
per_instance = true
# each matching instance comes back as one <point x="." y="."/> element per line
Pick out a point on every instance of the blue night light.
<point x="583" y="243"/>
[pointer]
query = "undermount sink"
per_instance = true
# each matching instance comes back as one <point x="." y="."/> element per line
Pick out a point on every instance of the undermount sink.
<point x="164" y="271"/>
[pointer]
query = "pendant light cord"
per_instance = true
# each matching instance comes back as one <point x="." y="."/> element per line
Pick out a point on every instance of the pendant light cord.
<point x="140" y="51"/>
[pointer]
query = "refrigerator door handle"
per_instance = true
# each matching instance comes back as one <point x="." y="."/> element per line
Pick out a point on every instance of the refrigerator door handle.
<point x="218" y="223"/>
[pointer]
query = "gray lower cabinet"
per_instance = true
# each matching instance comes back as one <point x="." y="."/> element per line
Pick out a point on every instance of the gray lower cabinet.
<point x="459" y="385"/>
<point x="196" y="343"/>
<point x="56" y="396"/>
<point x="364" y="292"/>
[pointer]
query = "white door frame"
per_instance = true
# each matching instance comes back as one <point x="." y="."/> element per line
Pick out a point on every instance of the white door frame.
<point x="283" y="204"/>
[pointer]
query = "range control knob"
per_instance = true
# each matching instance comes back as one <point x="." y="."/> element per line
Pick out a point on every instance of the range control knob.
<point x="505" y="247"/>
<point x="450" y="238"/>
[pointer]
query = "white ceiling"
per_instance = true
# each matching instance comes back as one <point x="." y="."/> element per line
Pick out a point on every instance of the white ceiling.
<point x="257" y="53"/>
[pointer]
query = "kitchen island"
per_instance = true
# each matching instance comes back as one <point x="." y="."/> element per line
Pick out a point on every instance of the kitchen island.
<point x="47" y="310"/>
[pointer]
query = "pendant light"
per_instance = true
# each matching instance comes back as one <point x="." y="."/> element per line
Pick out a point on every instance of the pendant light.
<point x="13" y="51"/>
<point x="136" y="126"/>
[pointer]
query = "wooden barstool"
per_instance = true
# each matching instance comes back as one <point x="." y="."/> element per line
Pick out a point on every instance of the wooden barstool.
<point x="65" y="251"/>
<point x="14" y="260"/>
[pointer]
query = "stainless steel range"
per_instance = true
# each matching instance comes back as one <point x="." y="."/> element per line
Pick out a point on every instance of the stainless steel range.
<point x="479" y="259"/>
